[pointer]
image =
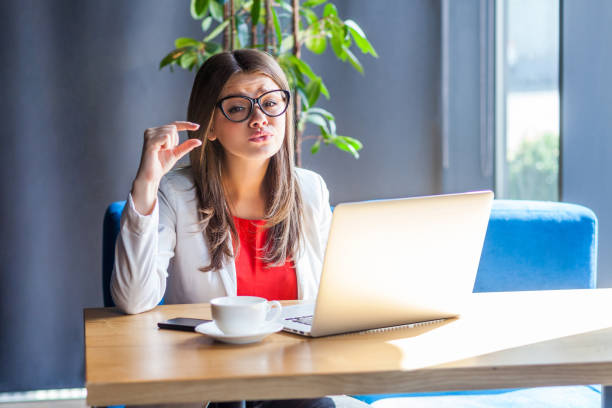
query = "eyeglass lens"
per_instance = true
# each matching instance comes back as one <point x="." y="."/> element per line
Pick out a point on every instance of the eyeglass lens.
<point x="238" y="108"/>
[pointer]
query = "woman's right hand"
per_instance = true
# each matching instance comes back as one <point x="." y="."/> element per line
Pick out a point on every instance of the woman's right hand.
<point x="160" y="152"/>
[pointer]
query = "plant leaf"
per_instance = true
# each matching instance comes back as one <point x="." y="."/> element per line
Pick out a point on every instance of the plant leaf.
<point x="199" y="8"/>
<point x="337" y="40"/>
<point x="326" y="136"/>
<point x="206" y="23"/>
<point x="332" y="127"/>
<point x="187" y="42"/>
<point x="277" y="27"/>
<point x="168" y="59"/>
<point x="173" y="57"/>
<point x="355" y="27"/>
<point x="313" y="3"/>
<point x="320" y="111"/>
<point x="291" y="70"/>
<point x="324" y="90"/>
<point x="216" y="10"/>
<point x="187" y="60"/>
<point x="315" y="147"/>
<point x="285" y="6"/>
<point x="287" y="44"/>
<point x="299" y="78"/>
<point x="313" y="90"/>
<point x="357" y="145"/>
<point x="317" y="45"/>
<point x="288" y="69"/>
<point x="304" y="98"/>
<point x="301" y="122"/>
<point x="255" y="11"/>
<point x="310" y="15"/>
<point x="342" y="144"/>
<point x="330" y="10"/>
<point x="303" y="67"/>
<point x="201" y="58"/>
<point x="218" y="30"/>
<point x="213" y="48"/>
<point x="318" y="120"/>
<point x="315" y="40"/>
<point x="360" y="38"/>
<point x="353" y="60"/>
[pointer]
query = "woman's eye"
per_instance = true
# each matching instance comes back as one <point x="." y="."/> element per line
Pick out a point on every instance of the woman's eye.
<point x="269" y="103"/>
<point x="235" y="109"/>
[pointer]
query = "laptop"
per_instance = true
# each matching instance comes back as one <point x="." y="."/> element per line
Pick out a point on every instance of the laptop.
<point x="396" y="262"/>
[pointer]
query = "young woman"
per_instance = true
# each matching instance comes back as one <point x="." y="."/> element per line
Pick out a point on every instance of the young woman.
<point x="241" y="219"/>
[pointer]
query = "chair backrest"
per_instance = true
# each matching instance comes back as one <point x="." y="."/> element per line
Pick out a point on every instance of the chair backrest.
<point x="530" y="245"/>
<point x="110" y="230"/>
<point x="537" y="245"/>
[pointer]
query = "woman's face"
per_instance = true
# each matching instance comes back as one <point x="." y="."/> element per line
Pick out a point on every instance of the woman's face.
<point x="259" y="137"/>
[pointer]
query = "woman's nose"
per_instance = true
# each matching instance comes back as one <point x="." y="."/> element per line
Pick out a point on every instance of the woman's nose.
<point x="258" y="119"/>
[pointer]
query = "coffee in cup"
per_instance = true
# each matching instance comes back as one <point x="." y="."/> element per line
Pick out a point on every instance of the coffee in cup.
<point x="241" y="315"/>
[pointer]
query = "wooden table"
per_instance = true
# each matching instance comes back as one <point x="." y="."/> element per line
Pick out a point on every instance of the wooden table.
<point x="503" y="340"/>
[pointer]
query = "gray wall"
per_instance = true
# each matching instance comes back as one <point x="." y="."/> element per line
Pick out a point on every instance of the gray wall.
<point x="397" y="108"/>
<point x="586" y="107"/>
<point x="392" y="109"/>
<point x="80" y="84"/>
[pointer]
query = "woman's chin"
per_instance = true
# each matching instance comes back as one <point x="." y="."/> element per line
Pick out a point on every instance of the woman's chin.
<point x="264" y="149"/>
<point x="259" y="152"/>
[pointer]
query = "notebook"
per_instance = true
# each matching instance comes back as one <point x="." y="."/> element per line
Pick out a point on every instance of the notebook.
<point x="396" y="262"/>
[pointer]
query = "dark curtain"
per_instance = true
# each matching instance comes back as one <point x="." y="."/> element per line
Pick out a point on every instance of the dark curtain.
<point x="80" y="83"/>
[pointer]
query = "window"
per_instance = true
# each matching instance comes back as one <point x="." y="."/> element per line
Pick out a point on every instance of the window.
<point x="527" y="99"/>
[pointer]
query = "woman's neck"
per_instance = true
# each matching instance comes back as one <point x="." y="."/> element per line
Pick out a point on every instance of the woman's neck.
<point x="243" y="182"/>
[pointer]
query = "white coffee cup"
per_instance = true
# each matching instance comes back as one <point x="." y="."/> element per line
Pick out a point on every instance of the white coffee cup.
<point x="240" y="315"/>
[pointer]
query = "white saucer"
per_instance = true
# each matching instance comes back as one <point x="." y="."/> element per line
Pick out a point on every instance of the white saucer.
<point x="210" y="329"/>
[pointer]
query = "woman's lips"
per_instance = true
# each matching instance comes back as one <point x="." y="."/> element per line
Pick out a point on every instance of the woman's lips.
<point x="260" y="137"/>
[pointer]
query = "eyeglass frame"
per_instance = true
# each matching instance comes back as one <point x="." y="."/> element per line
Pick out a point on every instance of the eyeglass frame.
<point x="257" y="100"/>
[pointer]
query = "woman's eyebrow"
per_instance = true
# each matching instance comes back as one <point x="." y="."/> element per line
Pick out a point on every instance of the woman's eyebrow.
<point x="242" y="93"/>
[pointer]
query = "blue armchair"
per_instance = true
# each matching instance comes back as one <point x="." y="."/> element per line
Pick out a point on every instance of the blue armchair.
<point x="529" y="245"/>
<point x="110" y="230"/>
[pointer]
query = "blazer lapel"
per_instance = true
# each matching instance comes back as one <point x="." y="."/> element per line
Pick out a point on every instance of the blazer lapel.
<point x="228" y="274"/>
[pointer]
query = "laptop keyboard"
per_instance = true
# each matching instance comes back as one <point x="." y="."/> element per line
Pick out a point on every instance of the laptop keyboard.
<point x="307" y="320"/>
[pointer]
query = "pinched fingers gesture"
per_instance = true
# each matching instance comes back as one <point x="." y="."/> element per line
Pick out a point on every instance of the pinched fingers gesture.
<point x="161" y="150"/>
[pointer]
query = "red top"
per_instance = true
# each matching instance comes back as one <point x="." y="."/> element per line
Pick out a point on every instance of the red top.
<point x="254" y="278"/>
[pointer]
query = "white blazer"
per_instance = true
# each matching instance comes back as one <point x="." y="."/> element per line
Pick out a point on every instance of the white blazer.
<point x="159" y="255"/>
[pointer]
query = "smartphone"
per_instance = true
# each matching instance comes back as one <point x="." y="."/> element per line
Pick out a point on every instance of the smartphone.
<point x="181" y="323"/>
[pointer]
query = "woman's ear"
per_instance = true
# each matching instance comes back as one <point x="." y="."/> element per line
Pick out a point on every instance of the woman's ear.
<point x="211" y="134"/>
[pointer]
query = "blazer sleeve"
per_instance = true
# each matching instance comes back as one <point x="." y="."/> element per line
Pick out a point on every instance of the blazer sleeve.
<point x="143" y="251"/>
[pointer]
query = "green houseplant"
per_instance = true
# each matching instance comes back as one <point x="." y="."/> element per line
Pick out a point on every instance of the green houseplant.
<point x="282" y="28"/>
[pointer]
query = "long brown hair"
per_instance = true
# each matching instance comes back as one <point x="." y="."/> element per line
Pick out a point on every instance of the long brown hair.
<point x="283" y="213"/>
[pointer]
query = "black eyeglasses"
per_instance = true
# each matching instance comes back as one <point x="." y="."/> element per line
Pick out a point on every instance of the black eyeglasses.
<point x="239" y="108"/>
